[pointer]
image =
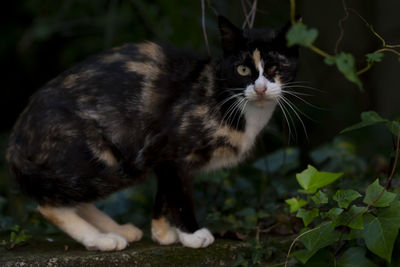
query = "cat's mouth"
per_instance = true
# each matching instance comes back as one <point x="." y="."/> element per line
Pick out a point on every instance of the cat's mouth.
<point x="262" y="100"/>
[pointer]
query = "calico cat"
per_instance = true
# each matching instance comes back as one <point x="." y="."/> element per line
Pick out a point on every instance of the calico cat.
<point x="104" y="124"/>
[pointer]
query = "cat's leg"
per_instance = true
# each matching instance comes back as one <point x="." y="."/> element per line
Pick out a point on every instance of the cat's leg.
<point x="67" y="219"/>
<point x="104" y="223"/>
<point x="174" y="200"/>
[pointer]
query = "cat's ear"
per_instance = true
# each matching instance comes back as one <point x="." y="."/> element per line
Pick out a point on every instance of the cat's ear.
<point x="231" y="36"/>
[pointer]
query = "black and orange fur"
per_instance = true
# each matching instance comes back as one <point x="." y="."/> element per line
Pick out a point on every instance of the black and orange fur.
<point x="105" y="123"/>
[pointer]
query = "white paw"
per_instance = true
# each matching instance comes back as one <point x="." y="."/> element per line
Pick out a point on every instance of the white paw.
<point x="199" y="239"/>
<point x="163" y="233"/>
<point x="106" y="242"/>
<point x="130" y="232"/>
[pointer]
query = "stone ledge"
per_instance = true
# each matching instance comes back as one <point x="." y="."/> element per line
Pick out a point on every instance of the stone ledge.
<point x="65" y="252"/>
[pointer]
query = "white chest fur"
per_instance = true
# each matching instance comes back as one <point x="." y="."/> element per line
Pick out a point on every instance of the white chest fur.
<point x="256" y="119"/>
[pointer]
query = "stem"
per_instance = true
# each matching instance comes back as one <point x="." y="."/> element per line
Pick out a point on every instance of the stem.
<point x="369" y="65"/>
<point x="293" y="11"/>
<point x="320" y="52"/>
<point x="388" y="50"/>
<point x="366" y="68"/>
<point x="297" y="238"/>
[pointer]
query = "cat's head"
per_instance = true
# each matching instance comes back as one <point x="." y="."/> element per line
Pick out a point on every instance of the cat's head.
<point x="257" y="61"/>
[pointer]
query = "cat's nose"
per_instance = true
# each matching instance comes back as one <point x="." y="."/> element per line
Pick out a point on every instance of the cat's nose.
<point x="260" y="89"/>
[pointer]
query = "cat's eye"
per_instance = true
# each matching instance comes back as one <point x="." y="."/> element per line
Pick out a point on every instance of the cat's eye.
<point x="243" y="70"/>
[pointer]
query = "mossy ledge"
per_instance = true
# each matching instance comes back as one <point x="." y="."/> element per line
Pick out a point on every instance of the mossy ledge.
<point x="61" y="251"/>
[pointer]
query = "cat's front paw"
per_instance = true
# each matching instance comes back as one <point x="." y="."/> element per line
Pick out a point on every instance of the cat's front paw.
<point x="199" y="239"/>
<point x="130" y="232"/>
<point x="106" y="242"/>
<point x="162" y="232"/>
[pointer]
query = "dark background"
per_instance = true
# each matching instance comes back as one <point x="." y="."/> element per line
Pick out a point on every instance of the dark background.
<point x="41" y="38"/>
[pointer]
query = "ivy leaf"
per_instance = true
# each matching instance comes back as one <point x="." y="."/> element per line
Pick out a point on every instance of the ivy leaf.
<point x="320" y="198"/>
<point x="295" y="203"/>
<point x="367" y="118"/>
<point x="391" y="214"/>
<point x="394" y="127"/>
<point x="343" y="218"/>
<point x="332" y="213"/>
<point x="371" y="118"/>
<point x="319" y="237"/>
<point x="345" y="197"/>
<point x="329" y="61"/>
<point x="307" y="215"/>
<point x="373" y="191"/>
<point x="299" y="34"/>
<point x="374" y="57"/>
<point x="346" y="65"/>
<point x="355" y="257"/>
<point x="311" y="179"/>
<point x="380" y="234"/>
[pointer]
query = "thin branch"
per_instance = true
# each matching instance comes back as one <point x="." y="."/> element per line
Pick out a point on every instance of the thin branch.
<point x="254" y="11"/>
<point x="212" y="8"/>
<point x="340" y="24"/>
<point x="203" y="24"/>
<point x="245" y="14"/>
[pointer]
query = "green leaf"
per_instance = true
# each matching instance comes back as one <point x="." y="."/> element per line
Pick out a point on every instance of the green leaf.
<point x="394" y="127"/>
<point x="379" y="235"/>
<point x="345" y="64"/>
<point x="345" y="197"/>
<point x="298" y="34"/>
<point x="320" y="198"/>
<point x="373" y="192"/>
<point x="344" y="218"/>
<point x="355" y="257"/>
<point x="374" y="57"/>
<point x="319" y="237"/>
<point x="311" y="179"/>
<point x="329" y="61"/>
<point x="307" y="215"/>
<point x="367" y="118"/>
<point x="332" y="213"/>
<point x="391" y="214"/>
<point x="295" y="203"/>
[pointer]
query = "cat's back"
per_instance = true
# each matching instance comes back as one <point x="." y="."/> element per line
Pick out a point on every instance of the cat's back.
<point x="106" y="99"/>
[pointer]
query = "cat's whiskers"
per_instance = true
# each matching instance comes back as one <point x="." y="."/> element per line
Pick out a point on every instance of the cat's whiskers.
<point x="226" y="90"/>
<point x="300" y="86"/>
<point x="303" y="100"/>
<point x="219" y="105"/>
<point x="287" y="116"/>
<point x="243" y="108"/>
<point x="237" y="109"/>
<point x="230" y="111"/>
<point x="296" y="111"/>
